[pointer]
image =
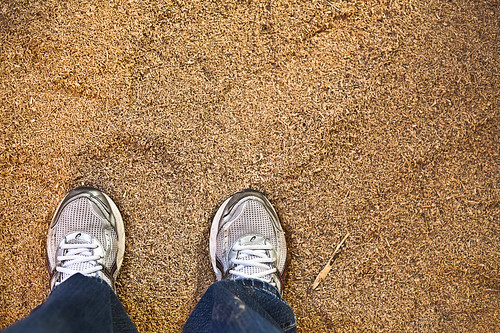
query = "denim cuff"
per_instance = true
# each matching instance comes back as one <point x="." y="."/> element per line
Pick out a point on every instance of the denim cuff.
<point x="254" y="283"/>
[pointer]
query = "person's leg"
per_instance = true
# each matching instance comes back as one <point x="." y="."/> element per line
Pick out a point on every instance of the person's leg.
<point x="243" y="305"/>
<point x="85" y="248"/>
<point x="80" y="304"/>
<point x="248" y="253"/>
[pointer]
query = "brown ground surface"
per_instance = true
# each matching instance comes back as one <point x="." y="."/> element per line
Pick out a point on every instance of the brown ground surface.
<point x="381" y="121"/>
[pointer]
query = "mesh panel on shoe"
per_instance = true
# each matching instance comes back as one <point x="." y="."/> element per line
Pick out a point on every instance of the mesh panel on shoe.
<point x="254" y="219"/>
<point x="78" y="216"/>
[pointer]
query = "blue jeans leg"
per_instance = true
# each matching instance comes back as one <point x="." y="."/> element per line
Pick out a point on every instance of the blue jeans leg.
<point x="243" y="305"/>
<point x="79" y="304"/>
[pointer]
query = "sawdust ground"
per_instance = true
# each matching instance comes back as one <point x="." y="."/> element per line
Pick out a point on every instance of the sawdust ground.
<point x="381" y="120"/>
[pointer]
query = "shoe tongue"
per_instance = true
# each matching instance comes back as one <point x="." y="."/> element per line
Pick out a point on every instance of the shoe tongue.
<point x="78" y="238"/>
<point x="252" y="240"/>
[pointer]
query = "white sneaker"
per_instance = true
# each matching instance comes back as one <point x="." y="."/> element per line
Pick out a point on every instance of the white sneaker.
<point x="247" y="240"/>
<point x="86" y="236"/>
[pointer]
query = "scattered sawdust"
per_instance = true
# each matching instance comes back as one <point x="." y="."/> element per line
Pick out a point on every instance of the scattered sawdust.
<point x="380" y="121"/>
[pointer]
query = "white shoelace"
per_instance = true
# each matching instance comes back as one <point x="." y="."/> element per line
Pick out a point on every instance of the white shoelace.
<point x="251" y="257"/>
<point x="78" y="259"/>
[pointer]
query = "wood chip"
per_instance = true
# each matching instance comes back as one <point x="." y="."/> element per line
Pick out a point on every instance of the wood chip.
<point x="324" y="272"/>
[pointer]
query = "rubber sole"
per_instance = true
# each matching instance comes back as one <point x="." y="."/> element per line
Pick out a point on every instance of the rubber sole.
<point x="120" y="232"/>
<point x="213" y="237"/>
